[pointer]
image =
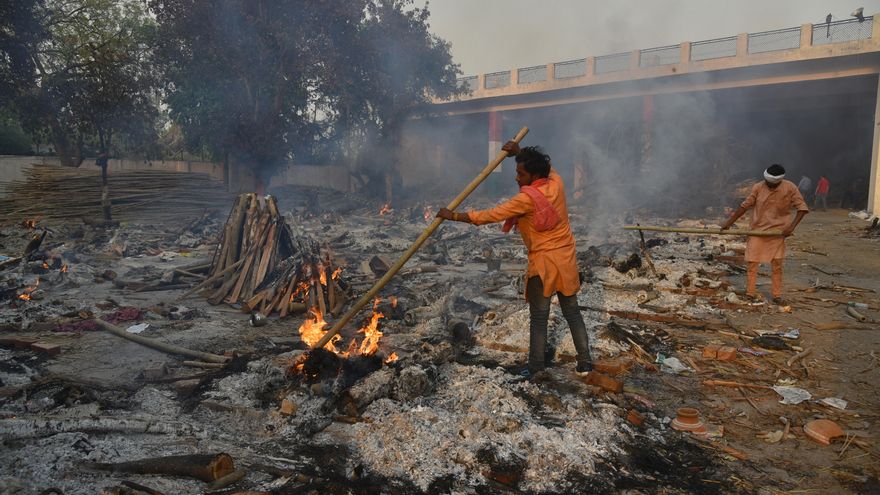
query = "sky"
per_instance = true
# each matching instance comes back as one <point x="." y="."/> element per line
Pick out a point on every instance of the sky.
<point x="496" y="35"/>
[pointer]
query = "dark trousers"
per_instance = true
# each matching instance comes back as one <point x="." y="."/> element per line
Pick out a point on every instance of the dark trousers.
<point x="539" y="313"/>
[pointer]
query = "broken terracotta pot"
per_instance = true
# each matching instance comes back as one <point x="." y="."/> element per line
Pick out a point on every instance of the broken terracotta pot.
<point x="688" y="419"/>
<point x="823" y="430"/>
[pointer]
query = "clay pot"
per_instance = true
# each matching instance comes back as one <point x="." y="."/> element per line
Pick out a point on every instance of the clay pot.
<point x="688" y="419"/>
<point x="823" y="430"/>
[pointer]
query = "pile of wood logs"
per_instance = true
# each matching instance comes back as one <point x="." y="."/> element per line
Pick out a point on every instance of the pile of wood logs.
<point x="262" y="265"/>
<point x="54" y="194"/>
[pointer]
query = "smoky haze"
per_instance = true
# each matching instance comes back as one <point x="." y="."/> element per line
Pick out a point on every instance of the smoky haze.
<point x="493" y="35"/>
<point x="691" y="154"/>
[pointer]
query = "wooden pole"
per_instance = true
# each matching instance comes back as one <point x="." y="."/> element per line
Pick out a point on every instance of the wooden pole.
<point x="161" y="346"/>
<point x="688" y="230"/>
<point x="368" y="297"/>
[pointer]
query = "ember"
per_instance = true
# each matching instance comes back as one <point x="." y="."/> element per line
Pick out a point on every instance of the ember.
<point x="428" y="213"/>
<point x="29" y="224"/>
<point x="26" y="295"/>
<point x="386" y="208"/>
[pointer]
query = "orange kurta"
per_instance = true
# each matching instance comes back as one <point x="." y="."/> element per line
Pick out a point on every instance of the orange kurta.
<point x="771" y="211"/>
<point x="552" y="253"/>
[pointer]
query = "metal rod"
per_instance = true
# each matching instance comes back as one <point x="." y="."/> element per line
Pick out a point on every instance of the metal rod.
<point x="366" y="298"/>
<point x="686" y="230"/>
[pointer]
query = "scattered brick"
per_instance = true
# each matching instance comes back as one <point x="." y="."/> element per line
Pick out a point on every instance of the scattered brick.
<point x="46" y="348"/>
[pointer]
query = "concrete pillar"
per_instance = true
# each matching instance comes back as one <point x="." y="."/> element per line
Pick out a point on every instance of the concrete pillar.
<point x="481" y="83"/>
<point x="591" y="66"/>
<point x="514" y="77"/>
<point x="806" y="35"/>
<point x="635" y="60"/>
<point x="742" y="45"/>
<point x="874" y="181"/>
<point x="495" y="130"/>
<point x="685" y="52"/>
<point x="551" y="73"/>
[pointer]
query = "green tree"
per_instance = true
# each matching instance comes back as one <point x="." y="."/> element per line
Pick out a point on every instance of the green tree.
<point x="266" y="81"/>
<point x="81" y="72"/>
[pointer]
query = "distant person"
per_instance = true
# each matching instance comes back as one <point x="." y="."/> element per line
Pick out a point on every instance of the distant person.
<point x="805" y="187"/>
<point x="771" y="201"/>
<point x="859" y="14"/>
<point x="540" y="213"/>
<point x="102" y="159"/>
<point x="822" y="188"/>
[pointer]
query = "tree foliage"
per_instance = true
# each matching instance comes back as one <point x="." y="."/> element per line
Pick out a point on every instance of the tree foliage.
<point x="267" y="81"/>
<point x="79" y="72"/>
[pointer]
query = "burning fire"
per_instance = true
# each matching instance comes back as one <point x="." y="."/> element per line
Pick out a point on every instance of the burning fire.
<point x="428" y="213"/>
<point x="371" y="332"/>
<point x="312" y="330"/>
<point x="26" y="295"/>
<point x="390" y="359"/>
<point x="336" y="273"/>
<point x="385" y="209"/>
<point x="323" y="275"/>
<point x="29" y="224"/>
<point x="64" y="268"/>
<point x="393" y="301"/>
<point x="45" y="266"/>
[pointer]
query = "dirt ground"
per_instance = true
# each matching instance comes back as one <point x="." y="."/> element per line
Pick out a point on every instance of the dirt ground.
<point x="455" y="417"/>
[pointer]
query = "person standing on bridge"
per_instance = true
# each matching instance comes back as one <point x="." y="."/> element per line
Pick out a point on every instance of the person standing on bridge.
<point x="540" y="213"/>
<point x="771" y="201"/>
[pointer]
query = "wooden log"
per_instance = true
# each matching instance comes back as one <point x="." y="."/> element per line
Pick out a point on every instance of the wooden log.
<point x="288" y="294"/>
<point x="160" y="346"/>
<point x="141" y="488"/>
<point x="229" y="479"/>
<point x="211" y="280"/>
<point x="726" y="383"/>
<point x="690" y="230"/>
<point x="205" y="467"/>
<point x="369" y="295"/>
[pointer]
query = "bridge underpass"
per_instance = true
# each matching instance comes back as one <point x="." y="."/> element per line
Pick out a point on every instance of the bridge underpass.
<point x="683" y="134"/>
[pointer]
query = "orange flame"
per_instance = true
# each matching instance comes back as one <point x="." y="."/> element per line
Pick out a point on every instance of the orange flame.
<point x="26" y="295"/>
<point x="29" y="224"/>
<point x="336" y="273"/>
<point x="390" y="359"/>
<point x="385" y="209"/>
<point x="393" y="300"/>
<point x="371" y="332"/>
<point x="45" y="266"/>
<point x="64" y="268"/>
<point x="323" y="278"/>
<point x="312" y="330"/>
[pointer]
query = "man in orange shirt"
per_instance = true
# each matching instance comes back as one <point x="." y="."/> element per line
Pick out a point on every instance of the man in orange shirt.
<point x="540" y="213"/>
<point x="772" y="200"/>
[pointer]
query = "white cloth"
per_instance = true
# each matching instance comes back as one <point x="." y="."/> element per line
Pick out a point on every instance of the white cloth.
<point x="773" y="179"/>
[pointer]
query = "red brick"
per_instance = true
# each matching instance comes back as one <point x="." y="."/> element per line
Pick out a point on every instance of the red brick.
<point x="613" y="367"/>
<point x="711" y="351"/>
<point x="46" y="348"/>
<point x="17" y="343"/>
<point x="604" y="382"/>
<point x="727" y="353"/>
<point x="635" y="417"/>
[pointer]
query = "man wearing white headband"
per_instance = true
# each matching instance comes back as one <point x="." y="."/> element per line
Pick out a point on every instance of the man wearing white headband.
<point x="771" y="201"/>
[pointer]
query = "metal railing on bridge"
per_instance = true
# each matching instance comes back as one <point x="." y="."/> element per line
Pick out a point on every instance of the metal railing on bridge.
<point x="840" y="31"/>
<point x="470" y="83"/>
<point x="717" y="48"/>
<point x="497" y="80"/>
<point x="570" y="68"/>
<point x="528" y="75"/>
<point x="662" y="55"/>
<point x="612" y="63"/>
<point x="771" y="41"/>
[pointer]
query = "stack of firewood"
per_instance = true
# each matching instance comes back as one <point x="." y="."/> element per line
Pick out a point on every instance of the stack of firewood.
<point x="262" y="265"/>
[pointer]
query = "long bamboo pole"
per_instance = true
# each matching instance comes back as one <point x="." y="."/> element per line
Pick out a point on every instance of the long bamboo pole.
<point x="689" y="230"/>
<point x="368" y="297"/>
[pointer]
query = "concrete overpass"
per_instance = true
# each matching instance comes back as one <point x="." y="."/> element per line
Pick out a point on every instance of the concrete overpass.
<point x="794" y="69"/>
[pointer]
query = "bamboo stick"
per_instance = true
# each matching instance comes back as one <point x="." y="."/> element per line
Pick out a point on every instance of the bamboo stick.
<point x="161" y="346"/>
<point x="689" y="230"/>
<point x="368" y="297"/>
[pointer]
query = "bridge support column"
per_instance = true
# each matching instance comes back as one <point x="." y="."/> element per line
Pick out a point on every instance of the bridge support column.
<point x="874" y="181"/>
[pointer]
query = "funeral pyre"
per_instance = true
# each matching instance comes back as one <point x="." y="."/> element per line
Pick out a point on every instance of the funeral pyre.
<point x="422" y="392"/>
